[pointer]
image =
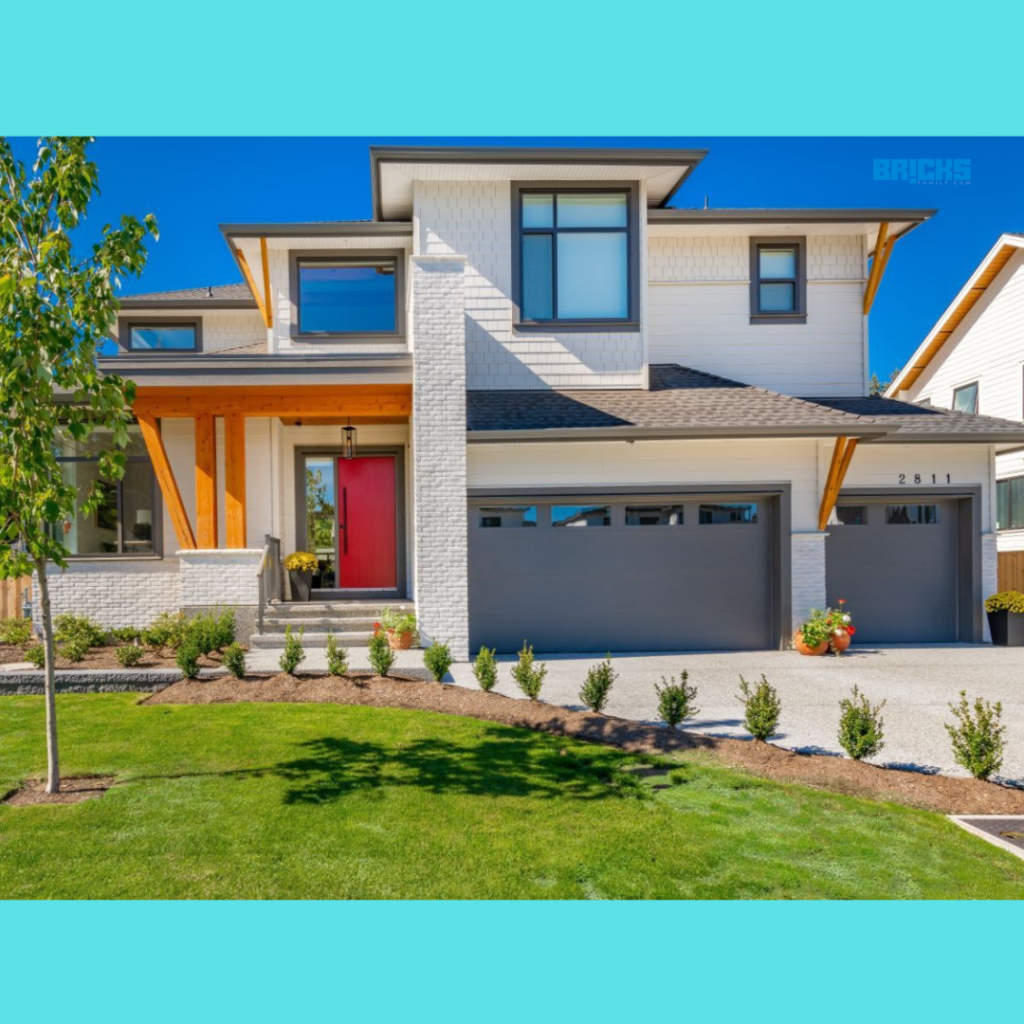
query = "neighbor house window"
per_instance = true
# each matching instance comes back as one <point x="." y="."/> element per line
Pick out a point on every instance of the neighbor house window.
<point x="575" y="257"/>
<point x="126" y="518"/>
<point x="965" y="399"/>
<point x="1010" y="504"/>
<point x="347" y="296"/>
<point x="778" y="280"/>
<point x="163" y="337"/>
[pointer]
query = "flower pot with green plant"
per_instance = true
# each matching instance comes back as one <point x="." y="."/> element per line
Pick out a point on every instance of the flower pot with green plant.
<point x="400" y="628"/>
<point x="300" y="565"/>
<point x="813" y="635"/>
<point x="1006" y="618"/>
<point x="842" y="628"/>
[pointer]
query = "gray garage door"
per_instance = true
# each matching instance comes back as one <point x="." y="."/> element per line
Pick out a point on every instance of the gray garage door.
<point x="622" y="575"/>
<point x="896" y="564"/>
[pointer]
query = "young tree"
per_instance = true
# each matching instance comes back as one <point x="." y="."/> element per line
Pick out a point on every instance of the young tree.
<point x="56" y="307"/>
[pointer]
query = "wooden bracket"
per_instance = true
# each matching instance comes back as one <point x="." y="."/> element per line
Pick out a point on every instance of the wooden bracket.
<point x="251" y="282"/>
<point x="165" y="478"/>
<point x="268" y="309"/>
<point x="842" y="455"/>
<point x="883" y="249"/>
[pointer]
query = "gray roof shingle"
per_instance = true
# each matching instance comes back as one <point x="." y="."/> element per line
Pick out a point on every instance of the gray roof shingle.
<point x="233" y="292"/>
<point x="924" y="420"/>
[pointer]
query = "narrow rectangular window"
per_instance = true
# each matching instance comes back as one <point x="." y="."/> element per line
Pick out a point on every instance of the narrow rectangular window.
<point x="169" y="337"/>
<point x="778" y="280"/>
<point x="581" y="515"/>
<point x="1010" y="503"/>
<point x="851" y="515"/>
<point x="965" y="399"/>
<point x="508" y="516"/>
<point x="654" y="515"/>
<point x="914" y="515"/>
<point x="727" y="512"/>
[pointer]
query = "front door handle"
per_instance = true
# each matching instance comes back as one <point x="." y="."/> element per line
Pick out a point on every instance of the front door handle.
<point x="344" y="523"/>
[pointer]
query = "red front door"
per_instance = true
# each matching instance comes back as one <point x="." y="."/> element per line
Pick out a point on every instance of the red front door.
<point x="367" y="540"/>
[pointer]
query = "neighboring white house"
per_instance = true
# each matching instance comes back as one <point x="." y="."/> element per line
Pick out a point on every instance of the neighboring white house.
<point x="973" y="360"/>
<point x="538" y="402"/>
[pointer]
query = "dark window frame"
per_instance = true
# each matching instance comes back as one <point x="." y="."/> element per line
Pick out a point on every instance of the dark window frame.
<point x="126" y="324"/>
<point x="396" y="256"/>
<point x="799" y="314"/>
<point x="977" y="397"/>
<point x="1008" y="481"/>
<point x="631" y="322"/>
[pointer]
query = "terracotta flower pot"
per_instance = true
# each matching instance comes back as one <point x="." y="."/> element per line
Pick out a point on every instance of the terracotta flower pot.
<point x="840" y="641"/>
<point x="798" y="643"/>
<point x="400" y="641"/>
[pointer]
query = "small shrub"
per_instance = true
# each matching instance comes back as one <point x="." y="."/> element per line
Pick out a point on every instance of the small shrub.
<point x="860" y="726"/>
<point x="594" y="692"/>
<point x="762" y="708"/>
<point x="381" y="655"/>
<point x="78" y="629"/>
<point x="676" y="700"/>
<point x="485" y="668"/>
<point x="125" y="635"/>
<point x="293" y="655"/>
<point x="234" y="660"/>
<point x="74" y="649"/>
<point x="129" y="655"/>
<point x="15" y="632"/>
<point x="337" y="657"/>
<point x="978" y="738"/>
<point x="187" y="659"/>
<point x="166" y="630"/>
<point x="224" y="629"/>
<point x="203" y="631"/>
<point x="438" y="658"/>
<point x="36" y="655"/>
<point x="529" y="678"/>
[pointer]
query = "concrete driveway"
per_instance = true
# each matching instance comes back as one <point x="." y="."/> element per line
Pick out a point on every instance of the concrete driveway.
<point x="917" y="683"/>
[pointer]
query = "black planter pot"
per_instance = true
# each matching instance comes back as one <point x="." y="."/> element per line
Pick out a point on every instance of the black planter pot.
<point x="300" y="582"/>
<point x="1007" y="628"/>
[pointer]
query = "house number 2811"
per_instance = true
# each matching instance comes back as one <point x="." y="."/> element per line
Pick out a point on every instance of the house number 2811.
<point x="918" y="478"/>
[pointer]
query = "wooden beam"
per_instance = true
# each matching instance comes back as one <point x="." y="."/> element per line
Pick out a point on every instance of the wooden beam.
<point x="165" y="478"/>
<point x="355" y="400"/>
<point x="842" y="456"/>
<point x="268" y="309"/>
<point x="206" y="482"/>
<point x="250" y="281"/>
<point x="234" y="481"/>
<point x="883" y="247"/>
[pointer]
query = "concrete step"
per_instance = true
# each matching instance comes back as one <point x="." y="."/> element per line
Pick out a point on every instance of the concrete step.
<point x="320" y="624"/>
<point x="337" y="609"/>
<point x="275" y="641"/>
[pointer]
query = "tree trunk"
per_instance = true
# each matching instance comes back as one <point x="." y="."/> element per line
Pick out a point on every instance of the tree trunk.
<point x="50" y="681"/>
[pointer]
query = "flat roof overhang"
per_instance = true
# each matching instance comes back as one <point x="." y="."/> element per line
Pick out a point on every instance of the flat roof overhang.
<point x="696" y="433"/>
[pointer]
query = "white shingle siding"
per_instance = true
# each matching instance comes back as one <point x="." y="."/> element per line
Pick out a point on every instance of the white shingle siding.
<point x="224" y="577"/>
<point x="475" y="219"/>
<point x="439" y="450"/>
<point x="700" y="315"/>
<point x="227" y="329"/>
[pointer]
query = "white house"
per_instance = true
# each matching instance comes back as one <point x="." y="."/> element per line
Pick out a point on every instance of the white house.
<point x="537" y="402"/>
<point x="973" y="360"/>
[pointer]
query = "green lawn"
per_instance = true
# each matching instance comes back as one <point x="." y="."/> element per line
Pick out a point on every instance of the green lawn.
<point x="315" y="800"/>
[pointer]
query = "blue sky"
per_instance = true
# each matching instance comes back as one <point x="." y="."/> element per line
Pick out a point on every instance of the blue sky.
<point x="193" y="184"/>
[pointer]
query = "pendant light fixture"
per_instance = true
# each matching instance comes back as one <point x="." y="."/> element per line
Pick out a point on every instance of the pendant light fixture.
<point x="348" y="441"/>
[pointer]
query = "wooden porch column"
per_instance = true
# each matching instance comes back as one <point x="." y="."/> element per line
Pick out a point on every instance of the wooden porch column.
<point x="234" y="480"/>
<point x="206" y="481"/>
<point x="842" y="456"/>
<point x="165" y="478"/>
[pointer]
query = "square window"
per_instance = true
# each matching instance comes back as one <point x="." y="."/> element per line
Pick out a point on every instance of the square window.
<point x="965" y="399"/>
<point x="579" y="516"/>
<point x="347" y="296"/>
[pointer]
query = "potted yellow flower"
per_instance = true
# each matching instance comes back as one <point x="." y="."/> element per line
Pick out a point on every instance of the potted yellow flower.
<point x="300" y="565"/>
<point x="1006" y="618"/>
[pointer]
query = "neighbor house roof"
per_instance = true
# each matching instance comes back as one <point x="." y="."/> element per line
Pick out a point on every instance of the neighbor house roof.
<point x="987" y="271"/>
<point x="683" y="402"/>
<point x="221" y="296"/>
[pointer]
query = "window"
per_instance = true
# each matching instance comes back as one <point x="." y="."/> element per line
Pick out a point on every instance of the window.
<point x="127" y="515"/>
<point x="727" y="512"/>
<point x="581" y="515"/>
<point x="778" y="280"/>
<point x="321" y="517"/>
<point x="1010" y="504"/>
<point x="851" y="515"/>
<point x="916" y="515"/>
<point x="167" y="336"/>
<point x="965" y="399"/>
<point x="654" y="515"/>
<point x="509" y="516"/>
<point x="577" y="256"/>
<point x="347" y="295"/>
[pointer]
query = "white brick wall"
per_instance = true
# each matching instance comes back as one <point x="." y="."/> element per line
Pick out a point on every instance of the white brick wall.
<point x="439" y="449"/>
<point x="989" y="575"/>
<point x="475" y="219"/>
<point x="132" y="595"/>
<point x="808" y="574"/>
<point x="226" y="578"/>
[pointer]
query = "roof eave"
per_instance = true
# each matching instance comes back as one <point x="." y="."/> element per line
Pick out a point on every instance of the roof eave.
<point x="562" y="434"/>
<point x="159" y="304"/>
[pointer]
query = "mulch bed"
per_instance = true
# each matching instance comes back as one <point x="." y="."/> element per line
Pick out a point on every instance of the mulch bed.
<point x="932" y="792"/>
<point x="72" y="791"/>
<point x="105" y="657"/>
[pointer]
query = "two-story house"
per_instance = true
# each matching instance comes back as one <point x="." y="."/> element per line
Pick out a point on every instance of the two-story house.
<point x="538" y="402"/>
<point x="972" y="360"/>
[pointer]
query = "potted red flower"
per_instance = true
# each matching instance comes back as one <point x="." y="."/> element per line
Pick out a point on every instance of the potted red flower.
<point x="841" y="628"/>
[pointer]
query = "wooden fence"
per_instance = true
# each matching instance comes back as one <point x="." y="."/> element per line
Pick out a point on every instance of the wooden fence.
<point x="11" y="596"/>
<point x="1011" y="570"/>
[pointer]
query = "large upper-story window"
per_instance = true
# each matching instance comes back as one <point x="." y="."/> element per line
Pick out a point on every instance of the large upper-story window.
<point x="576" y="256"/>
<point x="778" y="280"/>
<point x="347" y="296"/>
<point x="170" y="335"/>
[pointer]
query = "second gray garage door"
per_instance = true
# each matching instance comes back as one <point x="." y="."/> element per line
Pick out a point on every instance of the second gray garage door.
<point x="623" y="575"/>
<point x="897" y="564"/>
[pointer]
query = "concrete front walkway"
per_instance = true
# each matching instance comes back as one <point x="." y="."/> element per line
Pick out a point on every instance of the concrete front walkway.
<point x="917" y="683"/>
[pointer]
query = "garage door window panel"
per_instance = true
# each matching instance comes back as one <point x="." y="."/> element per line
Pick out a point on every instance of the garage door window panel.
<point x="728" y="514"/>
<point x="507" y="516"/>
<point x="654" y="515"/>
<point x="581" y="516"/>
<point x="912" y="515"/>
<point x="851" y="515"/>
